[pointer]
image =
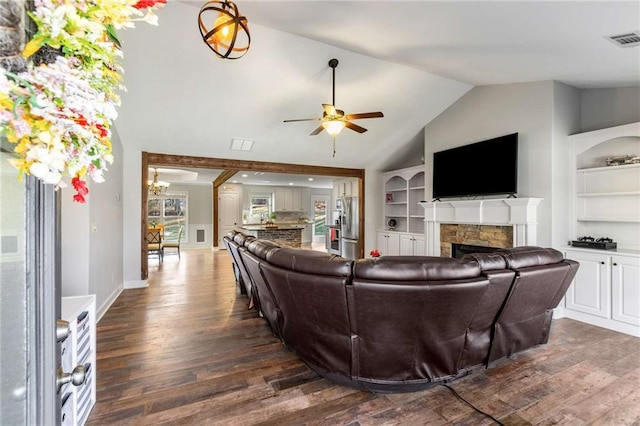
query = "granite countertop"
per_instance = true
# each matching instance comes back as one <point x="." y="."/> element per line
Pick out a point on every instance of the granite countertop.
<point x="277" y="226"/>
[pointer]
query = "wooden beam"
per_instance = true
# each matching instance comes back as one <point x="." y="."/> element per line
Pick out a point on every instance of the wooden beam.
<point x="252" y="166"/>
<point x="230" y="167"/>
<point x="223" y="177"/>
<point x="144" y="212"/>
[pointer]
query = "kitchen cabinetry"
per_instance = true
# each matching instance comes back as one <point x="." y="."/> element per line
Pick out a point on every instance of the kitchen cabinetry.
<point x="292" y="199"/>
<point x="412" y="245"/>
<point x="79" y="348"/>
<point x="605" y="290"/>
<point x="388" y="243"/>
<point x="347" y="187"/>
<point x="403" y="191"/>
<point x="307" y="234"/>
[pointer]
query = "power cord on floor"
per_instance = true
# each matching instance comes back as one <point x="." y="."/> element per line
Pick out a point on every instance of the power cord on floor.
<point x="471" y="405"/>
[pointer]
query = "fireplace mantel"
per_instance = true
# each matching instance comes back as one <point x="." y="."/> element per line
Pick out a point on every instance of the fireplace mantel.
<point x="521" y="213"/>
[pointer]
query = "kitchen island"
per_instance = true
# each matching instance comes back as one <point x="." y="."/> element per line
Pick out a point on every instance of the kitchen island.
<point x="283" y="235"/>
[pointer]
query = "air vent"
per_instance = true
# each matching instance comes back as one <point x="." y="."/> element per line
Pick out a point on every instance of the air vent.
<point x="626" y="40"/>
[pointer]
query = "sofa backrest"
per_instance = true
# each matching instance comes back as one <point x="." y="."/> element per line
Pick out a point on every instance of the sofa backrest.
<point x="310" y="289"/>
<point x="416" y="311"/>
<point x="480" y="331"/>
<point x="252" y="256"/>
<point x="238" y="241"/>
<point x="542" y="278"/>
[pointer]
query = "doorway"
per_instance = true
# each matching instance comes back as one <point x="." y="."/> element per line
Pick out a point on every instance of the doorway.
<point x="229" y="168"/>
<point x="321" y="217"/>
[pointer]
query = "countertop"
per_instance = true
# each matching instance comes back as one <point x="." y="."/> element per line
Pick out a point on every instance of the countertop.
<point x="277" y="226"/>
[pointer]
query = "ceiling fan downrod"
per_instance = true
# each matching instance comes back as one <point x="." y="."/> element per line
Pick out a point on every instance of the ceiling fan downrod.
<point x="333" y="63"/>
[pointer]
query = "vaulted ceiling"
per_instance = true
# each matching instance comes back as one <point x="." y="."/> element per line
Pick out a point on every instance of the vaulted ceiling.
<point x="410" y="60"/>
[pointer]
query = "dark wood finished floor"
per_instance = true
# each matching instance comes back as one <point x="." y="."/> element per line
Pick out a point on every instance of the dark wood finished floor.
<point x="186" y="351"/>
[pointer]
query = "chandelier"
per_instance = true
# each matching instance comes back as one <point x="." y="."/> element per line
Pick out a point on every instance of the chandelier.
<point x="229" y="38"/>
<point x="157" y="187"/>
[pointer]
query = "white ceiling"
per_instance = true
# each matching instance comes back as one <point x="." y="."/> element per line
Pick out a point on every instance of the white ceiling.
<point x="410" y="60"/>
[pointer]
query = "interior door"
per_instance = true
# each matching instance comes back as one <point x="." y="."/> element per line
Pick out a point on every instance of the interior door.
<point x="228" y="213"/>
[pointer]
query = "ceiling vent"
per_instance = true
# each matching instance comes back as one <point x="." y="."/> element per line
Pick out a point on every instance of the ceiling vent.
<point x="241" y="144"/>
<point x="626" y="40"/>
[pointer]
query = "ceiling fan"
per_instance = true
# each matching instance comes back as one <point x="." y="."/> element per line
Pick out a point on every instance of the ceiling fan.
<point x="334" y="120"/>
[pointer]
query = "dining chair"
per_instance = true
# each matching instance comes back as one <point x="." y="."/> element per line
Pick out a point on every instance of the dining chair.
<point x="173" y="244"/>
<point x="154" y="243"/>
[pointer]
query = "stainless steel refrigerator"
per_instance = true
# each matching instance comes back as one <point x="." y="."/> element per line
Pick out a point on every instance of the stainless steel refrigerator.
<point x="349" y="228"/>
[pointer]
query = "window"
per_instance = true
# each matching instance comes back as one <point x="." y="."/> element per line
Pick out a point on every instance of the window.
<point x="169" y="210"/>
<point x="260" y="205"/>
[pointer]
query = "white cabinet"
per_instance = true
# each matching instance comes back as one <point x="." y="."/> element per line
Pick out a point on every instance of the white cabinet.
<point x="606" y="198"/>
<point x="388" y="243"/>
<point x="591" y="289"/>
<point x="345" y="187"/>
<point x="610" y="194"/>
<point x="292" y="199"/>
<point x="403" y="191"/>
<point x="605" y="290"/>
<point x="625" y="289"/>
<point x="412" y="245"/>
<point x="307" y="234"/>
<point x="79" y="348"/>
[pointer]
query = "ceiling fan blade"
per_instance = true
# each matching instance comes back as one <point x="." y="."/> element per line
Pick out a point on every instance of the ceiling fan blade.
<point x="354" y="127"/>
<point x="329" y="109"/>
<point x="376" y="114"/>
<point x="316" y="131"/>
<point x="303" y="119"/>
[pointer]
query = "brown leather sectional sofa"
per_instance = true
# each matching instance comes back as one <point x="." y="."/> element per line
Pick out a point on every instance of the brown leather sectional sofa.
<point x="402" y="323"/>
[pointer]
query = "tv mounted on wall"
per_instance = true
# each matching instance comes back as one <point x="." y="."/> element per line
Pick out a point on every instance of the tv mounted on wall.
<point x="489" y="167"/>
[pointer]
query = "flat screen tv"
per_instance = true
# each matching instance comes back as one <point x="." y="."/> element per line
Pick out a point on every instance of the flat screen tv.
<point x="489" y="167"/>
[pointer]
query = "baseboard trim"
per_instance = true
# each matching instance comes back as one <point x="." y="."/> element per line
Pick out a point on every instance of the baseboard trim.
<point x="107" y="303"/>
<point x="136" y="284"/>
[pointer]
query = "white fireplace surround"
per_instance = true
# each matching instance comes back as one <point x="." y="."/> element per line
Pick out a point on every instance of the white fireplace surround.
<point x="521" y="213"/>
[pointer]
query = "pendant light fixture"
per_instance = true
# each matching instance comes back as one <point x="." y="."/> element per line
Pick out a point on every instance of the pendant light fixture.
<point x="157" y="187"/>
<point x="229" y="36"/>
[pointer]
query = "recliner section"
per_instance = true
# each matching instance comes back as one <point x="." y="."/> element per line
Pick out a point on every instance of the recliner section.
<point x="403" y="323"/>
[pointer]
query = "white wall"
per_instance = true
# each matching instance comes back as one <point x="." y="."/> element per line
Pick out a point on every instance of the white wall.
<point x="199" y="212"/>
<point x="602" y="108"/>
<point x="490" y="111"/>
<point x="92" y="240"/>
<point x="566" y="121"/>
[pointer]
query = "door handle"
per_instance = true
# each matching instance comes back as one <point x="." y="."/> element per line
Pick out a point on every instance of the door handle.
<point x="76" y="377"/>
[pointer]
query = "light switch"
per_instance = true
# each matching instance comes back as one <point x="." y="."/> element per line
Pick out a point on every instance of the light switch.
<point x="94" y="228"/>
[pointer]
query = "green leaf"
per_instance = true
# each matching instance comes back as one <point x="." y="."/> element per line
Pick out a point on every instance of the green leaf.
<point x="111" y="32"/>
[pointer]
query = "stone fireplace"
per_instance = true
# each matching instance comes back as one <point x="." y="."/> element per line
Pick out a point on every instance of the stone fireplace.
<point x="499" y="223"/>
<point x="495" y="236"/>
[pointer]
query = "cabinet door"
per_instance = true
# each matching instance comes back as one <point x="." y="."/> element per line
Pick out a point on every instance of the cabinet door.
<point x="296" y="199"/>
<point x="307" y="234"/>
<point x="590" y="291"/>
<point x="382" y="243"/>
<point x="625" y="273"/>
<point x="406" y="245"/>
<point x="284" y="199"/>
<point x="419" y="248"/>
<point x="393" y="245"/>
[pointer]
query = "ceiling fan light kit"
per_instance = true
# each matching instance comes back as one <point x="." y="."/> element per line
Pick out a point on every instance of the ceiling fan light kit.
<point x="229" y="36"/>
<point x="334" y="120"/>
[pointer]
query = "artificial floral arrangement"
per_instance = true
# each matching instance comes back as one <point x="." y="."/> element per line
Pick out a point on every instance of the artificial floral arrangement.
<point x="59" y="114"/>
<point x="374" y="253"/>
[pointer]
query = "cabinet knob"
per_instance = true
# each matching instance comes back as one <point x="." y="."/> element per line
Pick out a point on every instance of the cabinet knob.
<point x="615" y="264"/>
<point x="602" y="263"/>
